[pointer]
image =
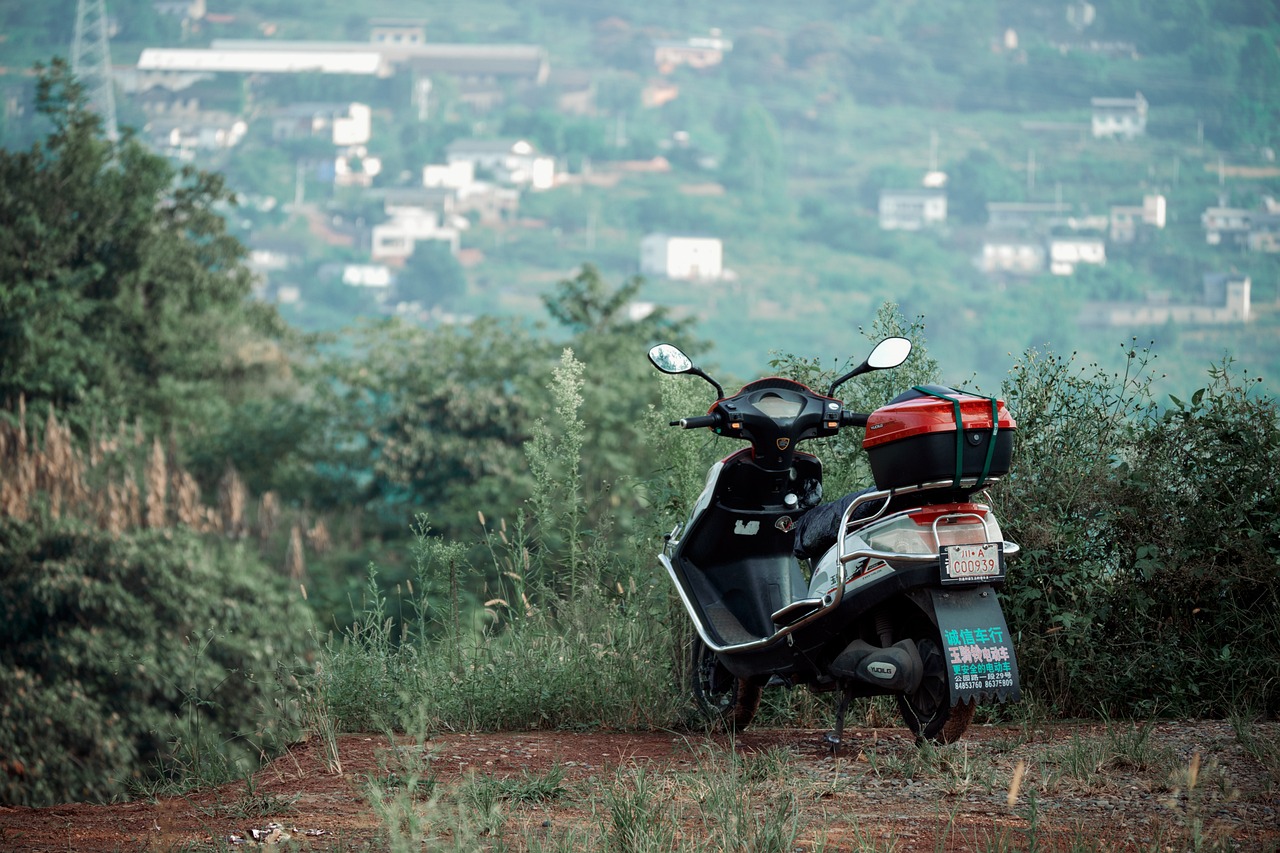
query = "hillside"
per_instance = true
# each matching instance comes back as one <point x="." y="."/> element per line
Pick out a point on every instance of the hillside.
<point x="780" y="148"/>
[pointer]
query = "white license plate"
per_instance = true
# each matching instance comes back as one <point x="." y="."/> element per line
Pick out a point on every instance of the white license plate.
<point x="972" y="563"/>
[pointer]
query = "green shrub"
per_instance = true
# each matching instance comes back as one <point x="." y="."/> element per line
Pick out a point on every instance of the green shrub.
<point x="1149" y="578"/>
<point x="152" y="657"/>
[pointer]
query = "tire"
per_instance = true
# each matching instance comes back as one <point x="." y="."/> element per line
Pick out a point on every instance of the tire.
<point x="927" y="711"/>
<point x="722" y="698"/>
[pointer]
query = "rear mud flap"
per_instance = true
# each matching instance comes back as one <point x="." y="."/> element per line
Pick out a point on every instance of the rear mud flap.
<point x="981" y="663"/>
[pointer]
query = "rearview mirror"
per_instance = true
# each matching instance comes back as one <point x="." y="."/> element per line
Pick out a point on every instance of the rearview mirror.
<point x="670" y="359"/>
<point x="890" y="352"/>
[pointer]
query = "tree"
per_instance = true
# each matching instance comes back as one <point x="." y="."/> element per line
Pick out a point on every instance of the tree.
<point x="976" y="179"/>
<point x="754" y="164"/>
<point x="433" y="420"/>
<point x="122" y="296"/>
<point x="1255" y="114"/>
<point x="432" y="276"/>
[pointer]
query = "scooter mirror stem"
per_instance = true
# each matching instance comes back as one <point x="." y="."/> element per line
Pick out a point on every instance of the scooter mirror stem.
<point x="857" y="371"/>
<point x="890" y="352"/>
<point x="697" y="371"/>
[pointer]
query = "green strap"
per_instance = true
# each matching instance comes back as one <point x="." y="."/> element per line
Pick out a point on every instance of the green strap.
<point x="995" y="428"/>
<point x="991" y="446"/>
<point x="955" y="403"/>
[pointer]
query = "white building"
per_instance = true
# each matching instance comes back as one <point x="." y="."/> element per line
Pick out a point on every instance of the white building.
<point x="395" y="240"/>
<point x="912" y="210"/>
<point x="1226" y="225"/>
<point x="1125" y="222"/>
<point x="1068" y="252"/>
<point x="377" y="276"/>
<point x="1012" y="254"/>
<point x="1226" y="301"/>
<point x="453" y="176"/>
<point x="682" y="258"/>
<point x="511" y="161"/>
<point x="1125" y="118"/>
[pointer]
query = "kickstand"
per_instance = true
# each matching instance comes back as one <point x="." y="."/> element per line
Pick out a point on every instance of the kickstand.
<point x="833" y="739"/>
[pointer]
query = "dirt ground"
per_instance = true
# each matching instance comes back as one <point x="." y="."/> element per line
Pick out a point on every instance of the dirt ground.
<point x="1190" y="786"/>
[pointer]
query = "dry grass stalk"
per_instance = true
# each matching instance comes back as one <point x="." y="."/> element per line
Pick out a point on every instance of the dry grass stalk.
<point x="294" y="560"/>
<point x="318" y="539"/>
<point x="101" y="484"/>
<point x="232" y="496"/>
<point x="157" y="480"/>
<point x="268" y="516"/>
<point x="187" y="508"/>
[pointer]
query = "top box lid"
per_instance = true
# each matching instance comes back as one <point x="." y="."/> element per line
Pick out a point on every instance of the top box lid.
<point x="925" y="415"/>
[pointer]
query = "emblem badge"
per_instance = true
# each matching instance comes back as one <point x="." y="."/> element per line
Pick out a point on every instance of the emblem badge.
<point x="783" y="443"/>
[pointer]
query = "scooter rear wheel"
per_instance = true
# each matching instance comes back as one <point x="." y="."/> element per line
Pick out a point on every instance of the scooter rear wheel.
<point x="722" y="698"/>
<point x="928" y="711"/>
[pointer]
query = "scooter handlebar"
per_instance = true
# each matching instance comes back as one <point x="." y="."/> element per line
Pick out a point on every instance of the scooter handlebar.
<point x="696" y="422"/>
<point x="856" y="419"/>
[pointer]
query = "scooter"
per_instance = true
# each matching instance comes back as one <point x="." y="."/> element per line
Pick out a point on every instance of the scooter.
<point x="888" y="591"/>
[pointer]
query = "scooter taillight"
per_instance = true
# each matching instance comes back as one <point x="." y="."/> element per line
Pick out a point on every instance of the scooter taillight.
<point x="927" y="530"/>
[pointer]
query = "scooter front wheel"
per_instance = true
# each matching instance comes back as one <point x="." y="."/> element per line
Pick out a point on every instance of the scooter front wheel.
<point x="722" y="698"/>
<point x="928" y="711"/>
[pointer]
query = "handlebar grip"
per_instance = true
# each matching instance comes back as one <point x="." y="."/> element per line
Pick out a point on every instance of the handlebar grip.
<point x="856" y="419"/>
<point x="695" y="423"/>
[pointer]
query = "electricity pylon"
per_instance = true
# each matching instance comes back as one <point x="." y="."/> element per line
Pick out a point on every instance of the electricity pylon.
<point x="91" y="62"/>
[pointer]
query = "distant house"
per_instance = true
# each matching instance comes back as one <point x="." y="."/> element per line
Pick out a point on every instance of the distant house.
<point x="511" y="161"/>
<point x="1228" y="226"/>
<point x="1264" y="232"/>
<point x="1024" y="216"/>
<point x="1012" y="254"/>
<point x="1068" y="251"/>
<point x="182" y="136"/>
<point x="344" y="124"/>
<point x="1125" y="222"/>
<point x="455" y="175"/>
<point x="1125" y="118"/>
<point x="190" y="10"/>
<point x="376" y="276"/>
<point x="682" y="258"/>
<point x="158" y="101"/>
<point x="574" y="91"/>
<point x="1226" y="300"/>
<point x="355" y="168"/>
<point x="697" y="52"/>
<point x="397" y="31"/>
<point x="395" y="240"/>
<point x="913" y="209"/>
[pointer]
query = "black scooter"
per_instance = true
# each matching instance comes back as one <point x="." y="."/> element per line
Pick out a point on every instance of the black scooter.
<point x="888" y="591"/>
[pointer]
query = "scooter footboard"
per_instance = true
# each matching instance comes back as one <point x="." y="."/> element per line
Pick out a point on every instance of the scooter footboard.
<point x="981" y="664"/>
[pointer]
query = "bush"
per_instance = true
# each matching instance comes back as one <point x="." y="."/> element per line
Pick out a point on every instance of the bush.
<point x="124" y="661"/>
<point x="1148" y="582"/>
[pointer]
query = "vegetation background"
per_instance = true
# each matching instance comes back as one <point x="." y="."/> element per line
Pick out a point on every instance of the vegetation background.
<point x="219" y="526"/>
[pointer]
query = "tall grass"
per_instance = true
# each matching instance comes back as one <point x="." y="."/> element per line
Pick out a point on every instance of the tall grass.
<point x="567" y="630"/>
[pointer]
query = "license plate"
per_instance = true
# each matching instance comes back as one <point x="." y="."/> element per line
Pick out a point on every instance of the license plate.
<point x="972" y="563"/>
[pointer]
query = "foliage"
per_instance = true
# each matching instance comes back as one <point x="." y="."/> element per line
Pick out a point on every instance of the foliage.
<point x="150" y="655"/>
<point x="122" y="295"/>
<point x="1148" y="582"/>
<point x="432" y="420"/>
<point x="432" y="276"/>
